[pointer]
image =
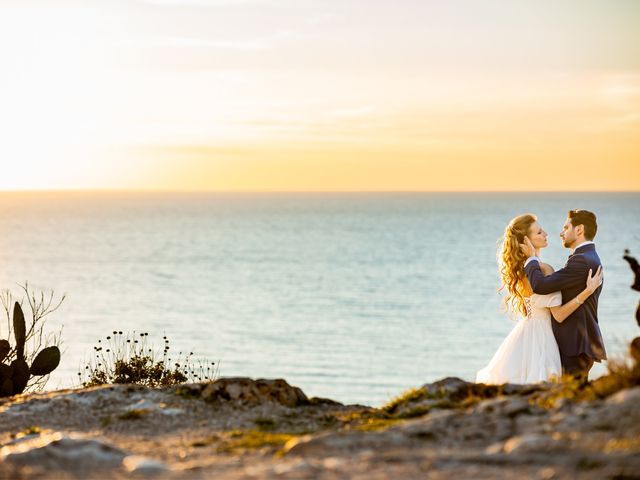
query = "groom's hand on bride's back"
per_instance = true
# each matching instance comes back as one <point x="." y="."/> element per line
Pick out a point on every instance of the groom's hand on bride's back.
<point x="594" y="282"/>
<point x="527" y="248"/>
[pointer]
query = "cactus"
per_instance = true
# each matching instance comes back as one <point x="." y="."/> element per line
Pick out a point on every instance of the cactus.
<point x="634" y="347"/>
<point x="6" y="389"/>
<point x="19" y="330"/>
<point x="15" y="377"/>
<point x="20" y="375"/>
<point x="46" y="361"/>
<point x="5" y="371"/>
<point x="5" y="348"/>
<point x="635" y="268"/>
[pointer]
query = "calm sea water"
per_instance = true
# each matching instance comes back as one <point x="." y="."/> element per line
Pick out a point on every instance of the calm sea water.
<point x="356" y="297"/>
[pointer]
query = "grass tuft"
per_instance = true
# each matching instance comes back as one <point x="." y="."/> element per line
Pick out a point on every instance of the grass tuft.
<point x="135" y="414"/>
<point x="409" y="396"/>
<point x="32" y="430"/>
<point x="253" y="439"/>
<point x="265" y="423"/>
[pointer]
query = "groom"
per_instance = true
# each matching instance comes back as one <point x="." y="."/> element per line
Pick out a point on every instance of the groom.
<point x="578" y="337"/>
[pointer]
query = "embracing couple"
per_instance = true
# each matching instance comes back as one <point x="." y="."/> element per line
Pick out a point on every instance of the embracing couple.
<point x="558" y="331"/>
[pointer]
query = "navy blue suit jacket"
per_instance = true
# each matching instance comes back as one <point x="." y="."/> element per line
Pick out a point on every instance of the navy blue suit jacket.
<point x="580" y="332"/>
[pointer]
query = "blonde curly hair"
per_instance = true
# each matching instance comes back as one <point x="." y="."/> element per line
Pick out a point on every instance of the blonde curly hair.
<point x="511" y="262"/>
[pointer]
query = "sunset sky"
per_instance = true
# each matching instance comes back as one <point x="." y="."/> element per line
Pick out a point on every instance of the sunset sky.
<point x="299" y="95"/>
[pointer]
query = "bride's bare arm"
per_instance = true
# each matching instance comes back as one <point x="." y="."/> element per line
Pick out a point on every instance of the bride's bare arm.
<point x="561" y="312"/>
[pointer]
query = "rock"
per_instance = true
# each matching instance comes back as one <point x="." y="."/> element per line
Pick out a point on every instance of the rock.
<point x="453" y="392"/>
<point x="148" y="406"/>
<point x="334" y="444"/>
<point x="447" y="387"/>
<point x="618" y="412"/>
<point x="465" y="430"/>
<point x="247" y="390"/>
<point x="513" y="388"/>
<point x="516" y="406"/>
<point x="418" y="408"/>
<point x="143" y="466"/>
<point x="530" y="423"/>
<point x="299" y="465"/>
<point x="58" y="451"/>
<point x="434" y="426"/>
<point x="332" y="463"/>
<point x="494" y="448"/>
<point x="324" y="401"/>
<point x="629" y="396"/>
<point x="453" y="427"/>
<point x="606" y="385"/>
<point x="522" y="389"/>
<point x="508" y="406"/>
<point x="530" y="443"/>
<point x="20" y="438"/>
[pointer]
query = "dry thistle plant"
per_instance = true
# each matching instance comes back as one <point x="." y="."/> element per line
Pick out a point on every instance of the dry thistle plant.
<point x="127" y="357"/>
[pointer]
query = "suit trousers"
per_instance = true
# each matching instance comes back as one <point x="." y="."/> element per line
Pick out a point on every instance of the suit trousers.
<point x="577" y="366"/>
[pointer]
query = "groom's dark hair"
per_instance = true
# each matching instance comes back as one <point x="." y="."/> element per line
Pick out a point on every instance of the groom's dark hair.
<point x="585" y="218"/>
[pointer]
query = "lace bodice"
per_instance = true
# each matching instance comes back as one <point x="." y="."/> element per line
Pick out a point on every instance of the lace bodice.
<point x="538" y="305"/>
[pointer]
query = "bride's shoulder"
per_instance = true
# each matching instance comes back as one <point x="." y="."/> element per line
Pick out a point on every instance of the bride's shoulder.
<point x="546" y="269"/>
<point x="552" y="299"/>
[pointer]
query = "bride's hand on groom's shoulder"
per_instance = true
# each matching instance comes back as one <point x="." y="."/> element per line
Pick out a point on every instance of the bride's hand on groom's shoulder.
<point x="527" y="248"/>
<point x="593" y="282"/>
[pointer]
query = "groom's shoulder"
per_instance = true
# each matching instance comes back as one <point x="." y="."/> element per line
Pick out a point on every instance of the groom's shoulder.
<point x="578" y="255"/>
<point x="577" y="259"/>
<point x="586" y="254"/>
<point x="585" y="250"/>
<point x="592" y="254"/>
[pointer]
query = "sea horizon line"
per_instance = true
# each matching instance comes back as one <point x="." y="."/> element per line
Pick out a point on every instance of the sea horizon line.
<point x="296" y="192"/>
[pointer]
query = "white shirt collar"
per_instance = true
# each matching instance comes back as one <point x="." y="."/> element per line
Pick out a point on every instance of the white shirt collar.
<point x="582" y="245"/>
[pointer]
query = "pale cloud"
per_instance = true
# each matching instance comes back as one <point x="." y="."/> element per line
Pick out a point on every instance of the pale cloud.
<point x="187" y="42"/>
<point x="266" y="42"/>
<point x="621" y="88"/>
<point x="625" y="122"/>
<point x="206" y="3"/>
<point x="355" y="112"/>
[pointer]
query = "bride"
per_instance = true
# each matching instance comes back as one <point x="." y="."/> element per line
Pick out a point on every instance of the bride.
<point x="529" y="353"/>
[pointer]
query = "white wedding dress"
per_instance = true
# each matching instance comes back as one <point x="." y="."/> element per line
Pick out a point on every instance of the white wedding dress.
<point x="529" y="354"/>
